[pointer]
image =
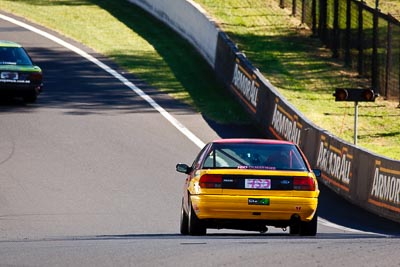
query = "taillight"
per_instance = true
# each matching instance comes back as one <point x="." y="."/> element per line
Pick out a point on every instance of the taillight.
<point x="303" y="183"/>
<point x="210" y="181"/>
<point x="36" y="77"/>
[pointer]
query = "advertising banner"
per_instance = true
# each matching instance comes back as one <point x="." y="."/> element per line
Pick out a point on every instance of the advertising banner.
<point x="335" y="160"/>
<point x="384" y="191"/>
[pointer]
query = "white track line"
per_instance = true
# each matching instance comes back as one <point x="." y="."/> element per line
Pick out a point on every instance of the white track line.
<point x="178" y="125"/>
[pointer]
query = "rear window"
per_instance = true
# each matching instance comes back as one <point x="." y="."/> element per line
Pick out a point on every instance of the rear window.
<point x="255" y="156"/>
<point x="14" y="56"/>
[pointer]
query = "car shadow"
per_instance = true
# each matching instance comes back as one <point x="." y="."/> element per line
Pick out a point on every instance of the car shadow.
<point x="198" y="240"/>
<point x="337" y="210"/>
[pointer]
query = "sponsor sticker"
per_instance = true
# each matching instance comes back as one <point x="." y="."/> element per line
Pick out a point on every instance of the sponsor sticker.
<point x="258" y="201"/>
<point x="14" y="81"/>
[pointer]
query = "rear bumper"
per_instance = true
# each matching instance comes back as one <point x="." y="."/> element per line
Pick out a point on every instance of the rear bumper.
<point x="20" y="90"/>
<point x="227" y="207"/>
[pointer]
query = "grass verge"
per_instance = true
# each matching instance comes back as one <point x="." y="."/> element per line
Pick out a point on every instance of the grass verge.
<point x="141" y="45"/>
<point x="301" y="69"/>
<point x="305" y="72"/>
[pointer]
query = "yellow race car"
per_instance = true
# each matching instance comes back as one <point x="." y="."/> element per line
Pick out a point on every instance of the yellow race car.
<point x="249" y="184"/>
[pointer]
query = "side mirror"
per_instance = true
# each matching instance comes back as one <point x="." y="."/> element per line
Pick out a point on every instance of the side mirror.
<point x="181" y="167"/>
<point x="317" y="172"/>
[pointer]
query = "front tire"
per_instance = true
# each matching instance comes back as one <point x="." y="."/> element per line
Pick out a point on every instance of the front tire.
<point x="196" y="226"/>
<point x="184" y="221"/>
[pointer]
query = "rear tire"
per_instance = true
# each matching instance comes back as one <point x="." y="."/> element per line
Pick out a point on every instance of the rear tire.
<point x="184" y="221"/>
<point x="30" y="98"/>
<point x="195" y="227"/>
<point x="294" y="229"/>
<point x="309" y="228"/>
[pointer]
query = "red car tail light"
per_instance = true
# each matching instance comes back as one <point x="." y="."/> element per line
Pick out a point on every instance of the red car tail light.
<point x="36" y="77"/>
<point x="303" y="183"/>
<point x="211" y="181"/>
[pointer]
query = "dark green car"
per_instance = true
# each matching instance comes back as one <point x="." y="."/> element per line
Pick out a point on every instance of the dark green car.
<point x="19" y="77"/>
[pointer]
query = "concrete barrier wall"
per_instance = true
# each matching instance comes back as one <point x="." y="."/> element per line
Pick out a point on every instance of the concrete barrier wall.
<point x="189" y="20"/>
<point x="363" y="178"/>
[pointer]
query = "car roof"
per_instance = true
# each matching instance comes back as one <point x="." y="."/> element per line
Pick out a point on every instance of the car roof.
<point x="251" y="141"/>
<point x="4" y="43"/>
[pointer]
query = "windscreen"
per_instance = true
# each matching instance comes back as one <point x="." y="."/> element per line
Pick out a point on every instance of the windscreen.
<point x="14" y="56"/>
<point x="255" y="156"/>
